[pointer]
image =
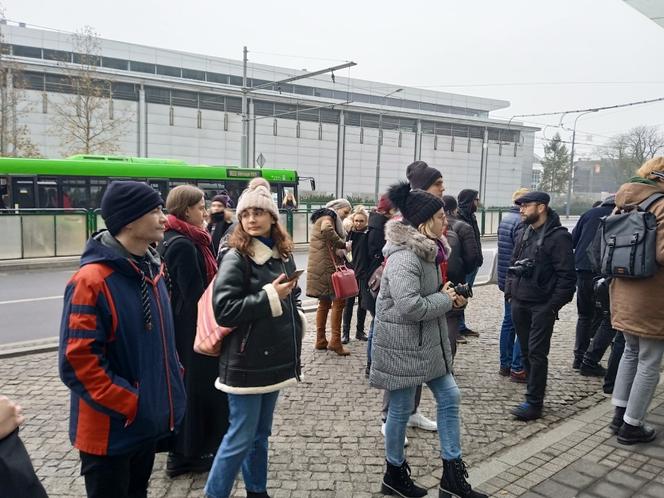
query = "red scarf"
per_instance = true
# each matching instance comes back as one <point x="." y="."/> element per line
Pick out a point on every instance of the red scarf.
<point x="201" y="238"/>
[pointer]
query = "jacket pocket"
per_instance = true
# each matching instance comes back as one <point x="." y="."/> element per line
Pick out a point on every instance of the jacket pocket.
<point x="245" y="339"/>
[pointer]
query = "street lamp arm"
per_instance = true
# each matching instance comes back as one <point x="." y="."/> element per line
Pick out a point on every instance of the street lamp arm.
<point x="302" y="76"/>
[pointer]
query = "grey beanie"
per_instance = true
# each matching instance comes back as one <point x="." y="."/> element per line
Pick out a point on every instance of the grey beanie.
<point x="337" y="204"/>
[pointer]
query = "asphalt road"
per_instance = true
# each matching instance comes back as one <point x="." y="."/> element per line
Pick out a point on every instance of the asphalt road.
<point x="31" y="301"/>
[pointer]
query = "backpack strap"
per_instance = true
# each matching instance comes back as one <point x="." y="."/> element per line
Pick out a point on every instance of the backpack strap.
<point x="645" y="205"/>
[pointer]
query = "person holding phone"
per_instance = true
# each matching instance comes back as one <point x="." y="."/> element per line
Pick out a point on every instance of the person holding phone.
<point x="262" y="355"/>
<point x="411" y="344"/>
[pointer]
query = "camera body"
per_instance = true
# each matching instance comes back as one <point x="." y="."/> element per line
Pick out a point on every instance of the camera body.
<point x="463" y="290"/>
<point x="523" y="268"/>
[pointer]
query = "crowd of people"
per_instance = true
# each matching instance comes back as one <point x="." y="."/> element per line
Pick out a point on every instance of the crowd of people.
<point x="130" y="322"/>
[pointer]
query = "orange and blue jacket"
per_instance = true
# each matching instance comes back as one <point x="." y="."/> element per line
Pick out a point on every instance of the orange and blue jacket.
<point x="117" y="353"/>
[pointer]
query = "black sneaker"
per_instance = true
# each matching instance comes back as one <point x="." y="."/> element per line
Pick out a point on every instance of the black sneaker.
<point x="525" y="411"/>
<point x="588" y="370"/>
<point x="633" y="434"/>
<point x="576" y="364"/>
<point x="177" y="464"/>
<point x="469" y="333"/>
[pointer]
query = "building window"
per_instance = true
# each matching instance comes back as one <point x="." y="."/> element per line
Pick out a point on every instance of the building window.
<point x="57" y="55"/>
<point x="274" y="127"/>
<point x="199" y="119"/>
<point x="113" y="63"/>
<point x="176" y="72"/>
<point x="193" y="74"/>
<point x="171" y="116"/>
<point x="22" y="51"/>
<point x="217" y="78"/>
<point x="142" y="67"/>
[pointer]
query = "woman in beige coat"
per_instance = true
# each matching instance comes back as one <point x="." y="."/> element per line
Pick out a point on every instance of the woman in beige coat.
<point x="327" y="245"/>
<point x="637" y="310"/>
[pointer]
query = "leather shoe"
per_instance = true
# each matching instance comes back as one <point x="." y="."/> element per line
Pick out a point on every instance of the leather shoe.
<point x="345" y="337"/>
<point x="633" y="434"/>
<point x="588" y="370"/>
<point x="469" y="333"/>
<point x="504" y="371"/>
<point x="361" y="336"/>
<point x="526" y="411"/>
<point x="178" y="464"/>
<point x="520" y="377"/>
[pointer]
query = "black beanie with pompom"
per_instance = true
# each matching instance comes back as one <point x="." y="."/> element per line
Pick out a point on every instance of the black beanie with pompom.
<point x="416" y="206"/>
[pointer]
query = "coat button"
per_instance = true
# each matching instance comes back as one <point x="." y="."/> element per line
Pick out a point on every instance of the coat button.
<point x="265" y="353"/>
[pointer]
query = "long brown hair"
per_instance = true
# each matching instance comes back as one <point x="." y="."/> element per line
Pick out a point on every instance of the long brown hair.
<point x="182" y="197"/>
<point x="241" y="240"/>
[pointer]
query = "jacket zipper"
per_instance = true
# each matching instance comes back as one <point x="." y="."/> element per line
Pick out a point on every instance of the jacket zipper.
<point x="245" y="339"/>
<point x="165" y="348"/>
<point x="292" y="311"/>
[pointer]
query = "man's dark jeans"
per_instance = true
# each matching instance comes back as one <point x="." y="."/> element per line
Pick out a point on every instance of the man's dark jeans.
<point x="119" y="476"/>
<point x="533" y="323"/>
<point x="588" y="320"/>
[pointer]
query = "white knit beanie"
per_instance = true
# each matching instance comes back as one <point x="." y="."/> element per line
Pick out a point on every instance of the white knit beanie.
<point x="337" y="204"/>
<point x="257" y="197"/>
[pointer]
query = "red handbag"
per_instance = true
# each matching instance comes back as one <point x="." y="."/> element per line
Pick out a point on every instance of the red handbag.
<point x="344" y="282"/>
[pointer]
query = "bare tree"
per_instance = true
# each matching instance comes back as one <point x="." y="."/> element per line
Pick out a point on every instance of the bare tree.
<point x="630" y="150"/>
<point x="14" y="137"/>
<point x="85" y="119"/>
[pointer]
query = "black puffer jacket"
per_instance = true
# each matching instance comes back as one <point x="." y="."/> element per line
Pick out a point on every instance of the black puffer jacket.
<point x="466" y="212"/>
<point x="263" y="353"/>
<point x="471" y="252"/>
<point x="554" y="278"/>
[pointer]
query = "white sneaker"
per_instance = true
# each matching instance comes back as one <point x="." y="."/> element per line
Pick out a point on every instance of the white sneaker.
<point x="382" y="431"/>
<point x="419" y="420"/>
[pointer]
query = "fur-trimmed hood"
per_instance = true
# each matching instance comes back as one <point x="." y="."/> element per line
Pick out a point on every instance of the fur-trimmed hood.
<point x="402" y="236"/>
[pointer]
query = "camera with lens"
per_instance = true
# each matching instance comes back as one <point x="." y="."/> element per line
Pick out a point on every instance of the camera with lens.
<point x="463" y="290"/>
<point x="601" y="294"/>
<point x="523" y="268"/>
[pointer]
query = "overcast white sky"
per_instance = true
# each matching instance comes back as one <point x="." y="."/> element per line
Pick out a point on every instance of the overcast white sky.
<point x="539" y="55"/>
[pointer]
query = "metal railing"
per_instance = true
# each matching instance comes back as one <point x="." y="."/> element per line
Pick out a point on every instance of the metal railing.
<point x="44" y="233"/>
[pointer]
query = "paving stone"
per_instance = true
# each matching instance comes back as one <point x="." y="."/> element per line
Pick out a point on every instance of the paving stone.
<point x="610" y="490"/>
<point x="572" y="478"/>
<point x="554" y="489"/>
<point x="655" y="490"/>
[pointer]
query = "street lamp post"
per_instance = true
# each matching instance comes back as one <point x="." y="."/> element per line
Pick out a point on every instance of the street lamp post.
<point x="380" y="143"/>
<point x="570" y="179"/>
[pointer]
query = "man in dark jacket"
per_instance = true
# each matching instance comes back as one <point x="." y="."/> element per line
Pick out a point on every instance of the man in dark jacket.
<point x="510" y="349"/>
<point x="219" y="222"/>
<point x="591" y="323"/>
<point x="469" y="202"/>
<point x="540" y="281"/>
<point x="117" y="349"/>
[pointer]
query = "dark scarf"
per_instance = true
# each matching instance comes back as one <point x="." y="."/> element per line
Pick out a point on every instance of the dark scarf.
<point x="201" y="238"/>
<point x="267" y="241"/>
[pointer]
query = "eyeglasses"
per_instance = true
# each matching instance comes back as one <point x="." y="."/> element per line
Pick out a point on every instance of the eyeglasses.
<point x="256" y="212"/>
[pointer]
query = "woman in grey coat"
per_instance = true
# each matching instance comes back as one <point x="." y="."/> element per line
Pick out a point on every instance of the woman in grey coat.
<point x="410" y="343"/>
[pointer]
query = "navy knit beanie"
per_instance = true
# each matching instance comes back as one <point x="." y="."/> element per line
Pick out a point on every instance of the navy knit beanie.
<point x="126" y="201"/>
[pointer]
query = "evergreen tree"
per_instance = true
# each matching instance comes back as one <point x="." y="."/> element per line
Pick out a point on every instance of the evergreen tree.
<point x="556" y="166"/>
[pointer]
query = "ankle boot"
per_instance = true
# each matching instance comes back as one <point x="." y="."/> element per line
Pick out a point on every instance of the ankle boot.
<point x="617" y="421"/>
<point x="453" y="483"/>
<point x="633" y="434"/>
<point x="345" y="336"/>
<point x="335" y="341"/>
<point x="321" y="323"/>
<point x="263" y="494"/>
<point x="397" y="481"/>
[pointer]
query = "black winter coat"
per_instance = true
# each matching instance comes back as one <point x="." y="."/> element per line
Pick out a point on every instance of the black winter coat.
<point x="456" y="268"/>
<point x="584" y="232"/>
<point x="206" y="414"/>
<point x="471" y="251"/>
<point x="263" y="353"/>
<point x="466" y="213"/>
<point x="554" y="278"/>
<point x="375" y="240"/>
<point x="361" y="261"/>
<point x="217" y="228"/>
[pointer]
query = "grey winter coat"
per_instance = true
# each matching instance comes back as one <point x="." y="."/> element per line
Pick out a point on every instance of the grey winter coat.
<point x="410" y="342"/>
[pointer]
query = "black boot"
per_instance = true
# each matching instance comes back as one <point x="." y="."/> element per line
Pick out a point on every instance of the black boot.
<point x="263" y="494"/>
<point x="361" y="336"/>
<point x="453" y="483"/>
<point x="397" y="481"/>
<point x="345" y="336"/>
<point x="177" y="464"/>
<point x="633" y="434"/>
<point x="617" y="421"/>
<point x="367" y="371"/>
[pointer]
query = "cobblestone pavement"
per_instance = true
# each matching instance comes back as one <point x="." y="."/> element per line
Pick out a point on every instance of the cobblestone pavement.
<point x="589" y="463"/>
<point x="326" y="437"/>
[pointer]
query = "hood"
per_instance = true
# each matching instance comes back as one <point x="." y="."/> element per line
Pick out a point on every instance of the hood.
<point x="319" y="213"/>
<point x="400" y="237"/>
<point x="466" y="198"/>
<point x="377" y="220"/>
<point x="102" y="247"/>
<point x="635" y="193"/>
<point x="552" y="222"/>
<point x="610" y="201"/>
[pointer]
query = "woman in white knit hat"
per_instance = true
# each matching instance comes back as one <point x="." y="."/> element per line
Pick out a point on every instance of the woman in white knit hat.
<point x="254" y="293"/>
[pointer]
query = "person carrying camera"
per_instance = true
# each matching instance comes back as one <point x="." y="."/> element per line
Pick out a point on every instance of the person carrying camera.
<point x="540" y="281"/>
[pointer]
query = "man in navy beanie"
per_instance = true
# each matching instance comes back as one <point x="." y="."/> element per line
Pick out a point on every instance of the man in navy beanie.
<point x="117" y="350"/>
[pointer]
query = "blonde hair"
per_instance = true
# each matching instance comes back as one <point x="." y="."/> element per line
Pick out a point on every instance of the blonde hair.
<point x="519" y="193"/>
<point x="426" y="228"/>
<point x="360" y="210"/>
<point x="654" y="164"/>
<point x="182" y="197"/>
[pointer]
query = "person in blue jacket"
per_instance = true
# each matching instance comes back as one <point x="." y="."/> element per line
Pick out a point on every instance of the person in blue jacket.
<point x="511" y="364"/>
<point x="117" y="350"/>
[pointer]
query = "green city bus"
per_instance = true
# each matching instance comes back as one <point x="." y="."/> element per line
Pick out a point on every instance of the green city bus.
<point x="80" y="181"/>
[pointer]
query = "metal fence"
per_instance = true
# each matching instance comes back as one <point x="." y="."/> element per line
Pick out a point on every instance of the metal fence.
<point x="44" y="233"/>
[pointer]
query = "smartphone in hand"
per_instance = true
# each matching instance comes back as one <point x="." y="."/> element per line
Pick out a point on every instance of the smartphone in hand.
<point x="296" y="274"/>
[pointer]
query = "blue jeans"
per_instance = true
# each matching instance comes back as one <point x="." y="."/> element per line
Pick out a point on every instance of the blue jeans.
<point x="510" y="349"/>
<point x="448" y="398"/>
<point x="244" y="446"/>
<point x="370" y="340"/>
<point x="470" y="280"/>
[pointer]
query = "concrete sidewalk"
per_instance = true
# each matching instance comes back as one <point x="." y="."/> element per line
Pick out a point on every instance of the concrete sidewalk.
<point x="326" y="438"/>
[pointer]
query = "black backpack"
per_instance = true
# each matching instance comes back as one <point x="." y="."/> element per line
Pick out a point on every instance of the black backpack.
<point x="625" y="244"/>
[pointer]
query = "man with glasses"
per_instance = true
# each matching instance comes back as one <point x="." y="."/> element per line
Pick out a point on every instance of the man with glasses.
<point x="540" y="280"/>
